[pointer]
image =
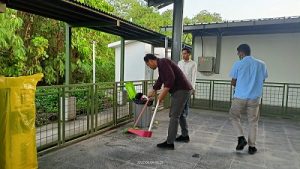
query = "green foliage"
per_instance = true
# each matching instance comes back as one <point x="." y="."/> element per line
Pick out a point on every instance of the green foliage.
<point x="47" y="103"/>
<point x="31" y="44"/>
<point x="141" y="14"/>
<point x="206" y="17"/>
<point x="12" y="51"/>
<point x="98" y="4"/>
<point x="202" y="17"/>
<point x="36" y="54"/>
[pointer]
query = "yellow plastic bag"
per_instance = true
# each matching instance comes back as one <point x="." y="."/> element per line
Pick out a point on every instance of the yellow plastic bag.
<point x="17" y="122"/>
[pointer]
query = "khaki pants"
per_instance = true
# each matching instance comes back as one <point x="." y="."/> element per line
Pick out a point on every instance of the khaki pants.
<point x="239" y="106"/>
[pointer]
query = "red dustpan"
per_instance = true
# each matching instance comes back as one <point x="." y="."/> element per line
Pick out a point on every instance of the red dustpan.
<point x="144" y="133"/>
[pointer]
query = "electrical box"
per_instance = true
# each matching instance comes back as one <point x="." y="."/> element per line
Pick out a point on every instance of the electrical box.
<point x="206" y="64"/>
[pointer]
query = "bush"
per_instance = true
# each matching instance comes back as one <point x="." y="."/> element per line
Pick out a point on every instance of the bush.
<point x="47" y="104"/>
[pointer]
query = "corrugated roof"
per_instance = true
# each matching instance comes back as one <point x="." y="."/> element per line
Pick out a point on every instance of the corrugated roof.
<point x="244" y="27"/>
<point x="82" y="15"/>
<point x="159" y="3"/>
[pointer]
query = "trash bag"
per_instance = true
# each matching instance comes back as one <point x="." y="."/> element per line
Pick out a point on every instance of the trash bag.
<point x="140" y="98"/>
<point x="17" y="122"/>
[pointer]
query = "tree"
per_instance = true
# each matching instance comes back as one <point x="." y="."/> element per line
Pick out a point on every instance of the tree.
<point x="12" y="51"/>
<point x="201" y="18"/>
<point x="205" y="17"/>
<point x="139" y="13"/>
<point x="37" y="43"/>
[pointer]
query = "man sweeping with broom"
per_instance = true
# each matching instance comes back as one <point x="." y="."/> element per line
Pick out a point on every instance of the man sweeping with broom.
<point x="177" y="85"/>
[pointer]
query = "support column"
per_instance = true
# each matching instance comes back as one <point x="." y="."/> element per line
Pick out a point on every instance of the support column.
<point x="177" y="29"/>
<point x="193" y="47"/>
<point x="122" y="67"/>
<point x="166" y="47"/>
<point x="94" y="61"/>
<point x="218" y="53"/>
<point x="68" y="54"/>
<point x="152" y="71"/>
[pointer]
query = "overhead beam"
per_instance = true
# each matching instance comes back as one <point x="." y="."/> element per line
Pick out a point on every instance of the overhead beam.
<point x="96" y="24"/>
<point x="159" y="3"/>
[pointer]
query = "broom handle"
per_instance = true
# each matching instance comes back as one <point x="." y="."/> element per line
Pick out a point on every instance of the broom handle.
<point x="141" y="113"/>
<point x="152" y="120"/>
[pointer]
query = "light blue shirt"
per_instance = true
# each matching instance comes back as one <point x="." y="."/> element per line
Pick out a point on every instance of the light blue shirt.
<point x="250" y="74"/>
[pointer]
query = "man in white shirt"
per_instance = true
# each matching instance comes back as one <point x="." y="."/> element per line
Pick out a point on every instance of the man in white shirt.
<point x="189" y="68"/>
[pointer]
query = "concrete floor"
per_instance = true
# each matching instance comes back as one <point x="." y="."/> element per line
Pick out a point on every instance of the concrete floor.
<point x="212" y="146"/>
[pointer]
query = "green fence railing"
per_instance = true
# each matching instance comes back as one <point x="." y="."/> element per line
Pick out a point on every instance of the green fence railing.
<point x="70" y="112"/>
<point x="278" y="99"/>
<point x="66" y="113"/>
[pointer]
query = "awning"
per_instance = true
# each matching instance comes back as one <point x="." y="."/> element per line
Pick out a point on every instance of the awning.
<point x="244" y="27"/>
<point x="81" y="15"/>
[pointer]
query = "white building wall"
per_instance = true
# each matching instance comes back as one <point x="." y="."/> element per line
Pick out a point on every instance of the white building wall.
<point x="160" y="53"/>
<point x="280" y="52"/>
<point x="134" y="70"/>
<point x="135" y="67"/>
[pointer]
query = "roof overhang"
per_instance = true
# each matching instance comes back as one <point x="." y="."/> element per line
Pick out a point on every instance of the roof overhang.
<point x="80" y="15"/>
<point x="245" y="27"/>
<point x="159" y="3"/>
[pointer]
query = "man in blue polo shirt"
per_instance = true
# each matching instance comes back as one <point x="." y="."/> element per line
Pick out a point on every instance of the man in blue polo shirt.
<point x="248" y="76"/>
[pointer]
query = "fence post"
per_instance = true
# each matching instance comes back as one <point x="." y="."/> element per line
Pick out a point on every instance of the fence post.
<point x="62" y="117"/>
<point x="96" y="106"/>
<point x="59" y="115"/>
<point x="212" y="94"/>
<point x="287" y="98"/>
<point x="145" y="87"/>
<point x="283" y="96"/>
<point x="92" y="108"/>
<point x="115" y="99"/>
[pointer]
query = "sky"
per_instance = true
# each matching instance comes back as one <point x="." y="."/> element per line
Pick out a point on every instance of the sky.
<point x="242" y="9"/>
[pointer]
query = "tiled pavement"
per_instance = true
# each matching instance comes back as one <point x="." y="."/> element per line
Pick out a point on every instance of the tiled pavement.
<point x="212" y="146"/>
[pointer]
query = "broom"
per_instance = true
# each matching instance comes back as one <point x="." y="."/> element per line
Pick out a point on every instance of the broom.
<point x="144" y="133"/>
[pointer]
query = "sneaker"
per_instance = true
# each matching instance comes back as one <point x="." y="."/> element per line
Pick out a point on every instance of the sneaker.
<point x="165" y="145"/>
<point x="252" y="150"/>
<point x="241" y="143"/>
<point x="181" y="138"/>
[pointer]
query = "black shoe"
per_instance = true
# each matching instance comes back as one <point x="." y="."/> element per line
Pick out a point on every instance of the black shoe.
<point x="165" y="145"/>
<point x="183" y="139"/>
<point x="241" y="143"/>
<point x="252" y="150"/>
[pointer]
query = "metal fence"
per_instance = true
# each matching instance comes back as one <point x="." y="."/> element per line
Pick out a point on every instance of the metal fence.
<point x="72" y="112"/>
<point x="68" y="112"/>
<point x="280" y="99"/>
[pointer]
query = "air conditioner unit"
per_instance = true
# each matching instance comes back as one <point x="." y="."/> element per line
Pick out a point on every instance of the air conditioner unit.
<point x="206" y="64"/>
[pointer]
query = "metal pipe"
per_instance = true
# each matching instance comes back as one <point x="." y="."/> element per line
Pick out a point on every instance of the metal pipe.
<point x="94" y="61"/>
<point x="68" y="54"/>
<point x="122" y="68"/>
<point x="166" y="47"/>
